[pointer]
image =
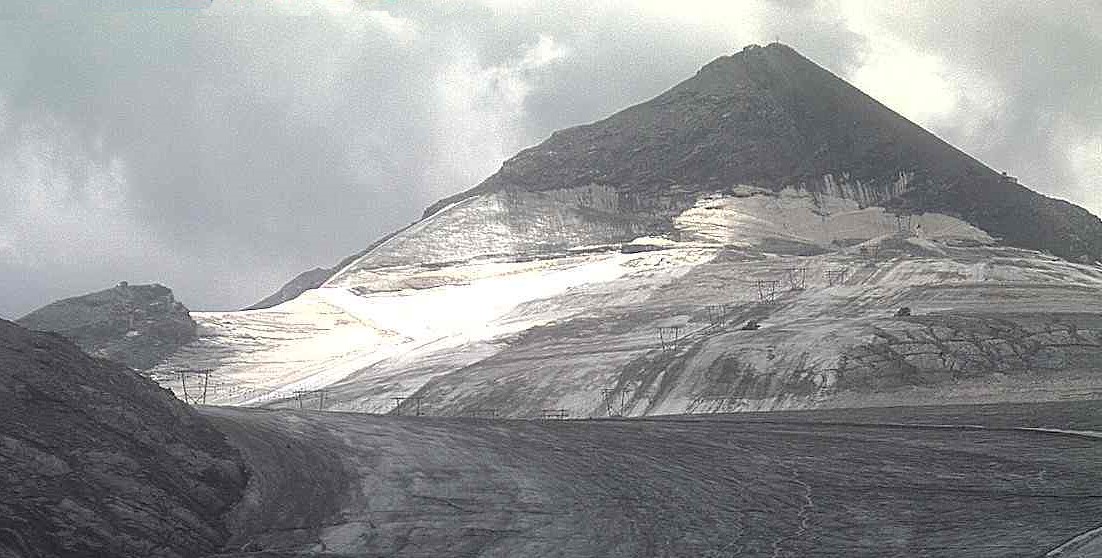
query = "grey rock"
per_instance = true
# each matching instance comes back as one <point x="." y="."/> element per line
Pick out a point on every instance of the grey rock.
<point x="137" y="325"/>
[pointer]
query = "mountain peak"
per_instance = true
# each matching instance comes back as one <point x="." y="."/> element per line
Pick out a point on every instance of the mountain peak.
<point x="764" y="116"/>
<point x="736" y="64"/>
<point x="770" y="118"/>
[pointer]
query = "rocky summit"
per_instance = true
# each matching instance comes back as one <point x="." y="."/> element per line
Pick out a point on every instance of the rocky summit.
<point x="770" y="118"/>
<point x="137" y="325"/>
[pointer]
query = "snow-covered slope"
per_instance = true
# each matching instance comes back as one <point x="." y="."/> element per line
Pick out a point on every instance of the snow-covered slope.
<point x="433" y="320"/>
<point x="656" y="329"/>
<point x="507" y="225"/>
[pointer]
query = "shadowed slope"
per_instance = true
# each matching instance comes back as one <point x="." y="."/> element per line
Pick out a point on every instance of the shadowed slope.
<point x="98" y="461"/>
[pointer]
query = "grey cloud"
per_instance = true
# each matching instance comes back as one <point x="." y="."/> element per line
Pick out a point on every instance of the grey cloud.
<point x="54" y="9"/>
<point x="1044" y="59"/>
<point x="244" y="149"/>
<point x="621" y="55"/>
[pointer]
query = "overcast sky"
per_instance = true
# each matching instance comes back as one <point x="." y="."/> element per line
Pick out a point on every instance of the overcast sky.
<point x="222" y="150"/>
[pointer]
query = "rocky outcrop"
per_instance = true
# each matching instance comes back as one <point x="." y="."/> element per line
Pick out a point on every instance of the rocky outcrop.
<point x="940" y="349"/>
<point x="886" y="360"/>
<point x="137" y="325"/>
<point x="98" y="461"/>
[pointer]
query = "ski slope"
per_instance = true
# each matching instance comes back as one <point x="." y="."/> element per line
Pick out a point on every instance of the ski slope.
<point x="328" y="334"/>
<point x="436" y="313"/>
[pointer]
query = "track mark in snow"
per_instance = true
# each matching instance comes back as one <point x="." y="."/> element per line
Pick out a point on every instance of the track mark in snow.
<point x="802" y="514"/>
<point x="1083" y="546"/>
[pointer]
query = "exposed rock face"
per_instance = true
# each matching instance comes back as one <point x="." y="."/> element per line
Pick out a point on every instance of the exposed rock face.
<point x="892" y="360"/>
<point x="98" y="461"/>
<point x="137" y="325"/>
<point x="770" y="118"/>
<point x="931" y="350"/>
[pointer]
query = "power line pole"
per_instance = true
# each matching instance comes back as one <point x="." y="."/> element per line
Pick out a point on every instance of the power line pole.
<point x="183" y="385"/>
<point x="717" y="313"/>
<point x="668" y="336"/>
<point x="903" y="223"/>
<point x="399" y="401"/>
<point x="767" y="290"/>
<point x="836" y="276"/>
<point x="201" y="397"/>
<point x="796" y="277"/>
<point x="302" y="394"/>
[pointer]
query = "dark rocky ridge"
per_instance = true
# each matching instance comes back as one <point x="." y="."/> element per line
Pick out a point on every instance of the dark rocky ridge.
<point x="314" y="278"/>
<point x="98" y="461"/>
<point x="137" y="325"/>
<point x="768" y="117"/>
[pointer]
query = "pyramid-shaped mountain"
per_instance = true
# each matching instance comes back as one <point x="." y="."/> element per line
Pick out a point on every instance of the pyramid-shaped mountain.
<point x="769" y="117"/>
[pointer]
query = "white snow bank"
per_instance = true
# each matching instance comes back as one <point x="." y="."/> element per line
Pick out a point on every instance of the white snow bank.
<point x="326" y="334"/>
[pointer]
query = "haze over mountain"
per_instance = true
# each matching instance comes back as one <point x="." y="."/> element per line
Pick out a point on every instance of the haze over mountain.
<point x="340" y="152"/>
